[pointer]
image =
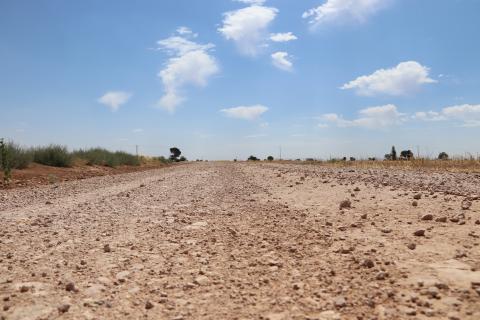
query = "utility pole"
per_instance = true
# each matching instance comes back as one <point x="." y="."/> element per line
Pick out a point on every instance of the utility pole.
<point x="280" y="155"/>
<point x="136" y="150"/>
<point x="418" y="152"/>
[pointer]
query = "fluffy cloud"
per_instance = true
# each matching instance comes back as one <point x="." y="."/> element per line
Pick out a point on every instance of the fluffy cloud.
<point x="248" y="26"/>
<point x="428" y="116"/>
<point x="283" y="37"/>
<point x="245" y="112"/>
<point x="405" y="78"/>
<point x="280" y="60"/>
<point x="191" y="64"/>
<point x="372" y="118"/>
<point x="114" y="99"/>
<point x="468" y="114"/>
<point x="344" y="10"/>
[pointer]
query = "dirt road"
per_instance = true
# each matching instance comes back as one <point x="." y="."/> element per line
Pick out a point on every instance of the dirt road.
<point x="243" y="241"/>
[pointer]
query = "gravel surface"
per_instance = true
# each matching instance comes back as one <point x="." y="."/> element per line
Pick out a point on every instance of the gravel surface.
<point x="244" y="241"/>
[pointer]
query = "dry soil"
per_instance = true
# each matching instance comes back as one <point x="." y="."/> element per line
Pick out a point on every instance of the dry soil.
<point x="243" y="241"/>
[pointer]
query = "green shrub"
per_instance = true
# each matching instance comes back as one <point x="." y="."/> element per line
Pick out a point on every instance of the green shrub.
<point x="16" y="156"/>
<point x="162" y="159"/>
<point x="126" y="159"/>
<point x="53" y="155"/>
<point x="4" y="162"/>
<point x="103" y="157"/>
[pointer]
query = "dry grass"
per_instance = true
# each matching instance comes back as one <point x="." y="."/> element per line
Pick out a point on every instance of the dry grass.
<point x="455" y="165"/>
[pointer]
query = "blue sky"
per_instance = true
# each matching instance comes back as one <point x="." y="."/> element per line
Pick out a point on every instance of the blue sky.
<point x="222" y="79"/>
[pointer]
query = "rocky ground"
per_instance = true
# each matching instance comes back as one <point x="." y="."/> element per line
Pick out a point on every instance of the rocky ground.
<point x="243" y="241"/>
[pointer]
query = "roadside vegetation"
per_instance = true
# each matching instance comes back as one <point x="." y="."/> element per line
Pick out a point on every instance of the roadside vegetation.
<point x="14" y="156"/>
<point x="407" y="160"/>
<point x="403" y="160"/>
<point x="103" y="157"/>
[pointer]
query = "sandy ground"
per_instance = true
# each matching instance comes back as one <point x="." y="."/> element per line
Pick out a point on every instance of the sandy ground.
<point x="243" y="241"/>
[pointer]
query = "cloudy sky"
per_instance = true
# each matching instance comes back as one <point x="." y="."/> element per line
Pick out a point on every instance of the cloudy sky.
<point x="224" y="79"/>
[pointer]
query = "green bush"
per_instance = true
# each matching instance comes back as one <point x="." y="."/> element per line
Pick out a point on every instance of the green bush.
<point x="53" y="155"/>
<point x="161" y="159"/>
<point x="17" y="157"/>
<point x="103" y="157"/>
<point x="126" y="159"/>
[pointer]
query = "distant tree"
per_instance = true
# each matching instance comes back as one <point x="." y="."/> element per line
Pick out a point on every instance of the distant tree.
<point x="406" y="155"/>
<point x="344" y="159"/>
<point x="253" y="158"/>
<point x="393" y="154"/>
<point x="270" y="158"/>
<point x="372" y="159"/>
<point x="443" y="156"/>
<point x="182" y="158"/>
<point x="234" y="160"/>
<point x="352" y="159"/>
<point x="175" y="153"/>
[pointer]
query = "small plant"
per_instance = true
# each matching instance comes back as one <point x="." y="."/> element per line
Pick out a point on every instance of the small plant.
<point x="52" y="179"/>
<point x="5" y="162"/>
<point x="253" y="158"/>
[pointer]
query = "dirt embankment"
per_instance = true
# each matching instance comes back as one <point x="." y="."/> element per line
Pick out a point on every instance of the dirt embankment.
<point x="37" y="174"/>
<point x="243" y="241"/>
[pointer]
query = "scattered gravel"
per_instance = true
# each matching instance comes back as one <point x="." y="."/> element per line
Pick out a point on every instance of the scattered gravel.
<point x="243" y="241"/>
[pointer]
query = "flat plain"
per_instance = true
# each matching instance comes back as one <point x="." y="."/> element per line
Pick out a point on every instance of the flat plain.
<point x="225" y="240"/>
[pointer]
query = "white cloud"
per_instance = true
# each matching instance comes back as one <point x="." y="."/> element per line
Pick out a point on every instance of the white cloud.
<point x="372" y="118"/>
<point x="248" y="27"/>
<point x="405" y="78"/>
<point x="177" y="45"/>
<point x="138" y="130"/>
<point x="191" y="64"/>
<point x="257" y="2"/>
<point x="283" y="37"/>
<point x="280" y="60"/>
<point x="184" y="31"/>
<point x="245" y="112"/>
<point x="468" y="114"/>
<point x="114" y="99"/>
<point x="344" y="10"/>
<point x="428" y="116"/>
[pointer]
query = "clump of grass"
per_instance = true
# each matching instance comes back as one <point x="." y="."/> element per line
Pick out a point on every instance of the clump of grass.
<point x="103" y="157"/>
<point x="53" y="155"/>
